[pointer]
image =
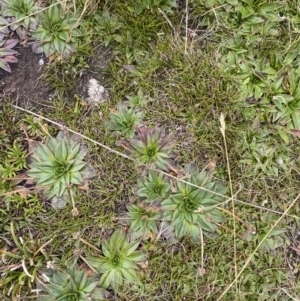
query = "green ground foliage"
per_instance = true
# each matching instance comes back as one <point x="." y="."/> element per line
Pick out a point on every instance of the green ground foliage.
<point x="195" y="194"/>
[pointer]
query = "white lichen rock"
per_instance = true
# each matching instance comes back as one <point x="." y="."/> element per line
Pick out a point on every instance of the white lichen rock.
<point x="96" y="92"/>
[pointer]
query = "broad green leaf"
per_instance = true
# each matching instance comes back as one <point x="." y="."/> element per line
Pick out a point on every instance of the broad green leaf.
<point x="76" y="178"/>
<point x="130" y="275"/>
<point x="296" y="120"/>
<point x="180" y="230"/>
<point x="168" y="204"/>
<point x="152" y="226"/>
<point x="249" y="2"/>
<point x="59" y="278"/>
<point x="246" y="12"/>
<point x="269" y="7"/>
<point x="232" y="2"/>
<point x="105" y="266"/>
<point x="59" y="188"/>
<point x="77" y="166"/>
<point x="73" y="151"/>
<point x="128" y="264"/>
<point x="44" y="153"/>
<point x="105" y="249"/>
<point x="296" y="92"/>
<point x="137" y="256"/>
<point x="117" y="240"/>
<point x="283" y="135"/>
<point x="94" y="261"/>
<point x="107" y="278"/>
<point x="55" y="290"/>
<point x="276" y="232"/>
<point x="63" y="35"/>
<point x="58" y="45"/>
<point x="80" y="279"/>
<point x="130" y="248"/>
<point x="205" y="225"/>
<point x="89" y="287"/>
<point x="71" y="286"/>
<point x="277" y="83"/>
<point x="46" y="179"/>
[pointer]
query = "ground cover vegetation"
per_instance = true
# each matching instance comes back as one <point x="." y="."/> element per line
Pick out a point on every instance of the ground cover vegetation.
<point x="184" y="183"/>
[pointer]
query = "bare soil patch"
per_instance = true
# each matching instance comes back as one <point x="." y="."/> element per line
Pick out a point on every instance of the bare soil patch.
<point x="24" y="84"/>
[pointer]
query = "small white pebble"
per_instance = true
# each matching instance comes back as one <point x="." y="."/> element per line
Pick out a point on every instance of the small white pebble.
<point x="41" y="62"/>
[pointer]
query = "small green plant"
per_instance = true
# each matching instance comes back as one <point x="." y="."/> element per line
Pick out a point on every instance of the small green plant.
<point x="56" y="32"/>
<point x="264" y="158"/>
<point x="143" y="220"/>
<point x="249" y="18"/>
<point x="165" y="5"/>
<point x="155" y="187"/>
<point x="5" y="185"/>
<point x="286" y="106"/>
<point x="17" y="155"/>
<point x="14" y="161"/>
<point x="150" y="146"/>
<point x="125" y="120"/>
<point x="33" y="126"/>
<point x="118" y="263"/>
<point x="107" y="27"/>
<point x="256" y="77"/>
<point x="58" y="165"/>
<point x="7" y="54"/>
<point x="260" y="154"/>
<point x="22" y="15"/>
<point x="27" y="204"/>
<point x="137" y="100"/>
<point x="7" y="169"/>
<point x="192" y="209"/>
<point x="74" y="284"/>
<point x="274" y="239"/>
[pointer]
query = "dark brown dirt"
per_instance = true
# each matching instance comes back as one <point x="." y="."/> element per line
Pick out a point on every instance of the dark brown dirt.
<point x="24" y="84"/>
<point x="26" y="87"/>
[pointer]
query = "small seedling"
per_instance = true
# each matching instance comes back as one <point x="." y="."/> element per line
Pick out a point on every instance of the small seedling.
<point x="107" y="27"/>
<point x="154" y="188"/>
<point x="125" y="120"/>
<point x="143" y="220"/>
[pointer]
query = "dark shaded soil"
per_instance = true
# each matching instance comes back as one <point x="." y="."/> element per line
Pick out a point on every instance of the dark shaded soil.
<point x="24" y="84"/>
<point x="26" y="87"/>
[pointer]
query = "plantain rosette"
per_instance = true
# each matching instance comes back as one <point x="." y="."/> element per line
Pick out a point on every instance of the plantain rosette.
<point x="57" y="165"/>
<point x="150" y="146"/>
<point x="119" y="262"/>
<point x="74" y="284"/>
<point x="192" y="210"/>
<point x="20" y="15"/>
<point x="56" y="32"/>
